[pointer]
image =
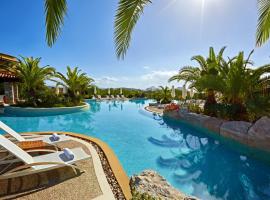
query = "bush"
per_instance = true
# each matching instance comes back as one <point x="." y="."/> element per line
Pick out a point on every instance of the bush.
<point x="47" y="98"/>
<point x="138" y="196"/>
<point x="228" y="111"/>
<point x="195" y="108"/>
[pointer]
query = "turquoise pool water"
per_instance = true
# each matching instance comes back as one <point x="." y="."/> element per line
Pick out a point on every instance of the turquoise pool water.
<point x="190" y="160"/>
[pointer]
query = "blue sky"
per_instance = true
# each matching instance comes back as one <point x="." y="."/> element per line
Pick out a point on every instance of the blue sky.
<point x="168" y="34"/>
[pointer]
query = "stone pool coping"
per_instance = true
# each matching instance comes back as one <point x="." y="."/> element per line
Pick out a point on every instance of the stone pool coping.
<point x="32" y="111"/>
<point x="255" y="135"/>
<point x="116" y="167"/>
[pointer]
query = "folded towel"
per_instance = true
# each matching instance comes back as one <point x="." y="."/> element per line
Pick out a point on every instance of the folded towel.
<point x="55" y="137"/>
<point x="68" y="153"/>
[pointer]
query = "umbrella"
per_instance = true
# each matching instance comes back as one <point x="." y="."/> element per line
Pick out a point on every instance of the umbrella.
<point x="184" y="92"/>
<point x="191" y="93"/>
<point x="95" y="90"/>
<point x="121" y="91"/>
<point x="109" y="91"/>
<point x="57" y="90"/>
<point x="65" y="89"/>
<point x="173" y="92"/>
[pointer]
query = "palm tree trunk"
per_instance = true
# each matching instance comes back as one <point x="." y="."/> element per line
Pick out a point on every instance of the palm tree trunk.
<point x="210" y="104"/>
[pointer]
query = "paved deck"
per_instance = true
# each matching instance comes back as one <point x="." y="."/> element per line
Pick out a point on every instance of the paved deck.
<point x="154" y="109"/>
<point x="64" y="183"/>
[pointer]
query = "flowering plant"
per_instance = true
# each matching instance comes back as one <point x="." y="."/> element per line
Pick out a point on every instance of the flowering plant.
<point x="172" y="107"/>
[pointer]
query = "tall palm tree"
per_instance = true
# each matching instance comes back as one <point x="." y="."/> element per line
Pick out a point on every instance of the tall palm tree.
<point x="244" y="86"/>
<point x="205" y="76"/>
<point x="32" y="77"/>
<point x="75" y="81"/>
<point x="263" y="26"/>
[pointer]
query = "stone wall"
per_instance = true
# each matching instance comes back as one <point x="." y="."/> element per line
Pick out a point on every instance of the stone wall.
<point x="254" y="135"/>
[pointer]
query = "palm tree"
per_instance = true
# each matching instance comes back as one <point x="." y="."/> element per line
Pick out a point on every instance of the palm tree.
<point x="205" y="77"/>
<point x="32" y="77"/>
<point x="243" y="86"/>
<point x="263" y="26"/>
<point x="165" y="94"/>
<point x="75" y="81"/>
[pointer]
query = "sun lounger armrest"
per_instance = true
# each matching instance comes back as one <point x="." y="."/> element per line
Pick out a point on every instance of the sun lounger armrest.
<point x="41" y="150"/>
<point x="42" y="163"/>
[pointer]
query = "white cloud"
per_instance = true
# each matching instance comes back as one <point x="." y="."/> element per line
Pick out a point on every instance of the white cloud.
<point x="159" y="74"/>
<point x="152" y="78"/>
<point x="106" y="79"/>
<point x="146" y="67"/>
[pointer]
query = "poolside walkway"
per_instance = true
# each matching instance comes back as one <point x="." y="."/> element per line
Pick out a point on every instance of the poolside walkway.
<point x="94" y="183"/>
<point x="154" y="109"/>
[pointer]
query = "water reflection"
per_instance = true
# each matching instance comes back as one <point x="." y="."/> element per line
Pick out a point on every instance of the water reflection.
<point x="209" y="168"/>
<point x="139" y="102"/>
<point x="95" y="106"/>
<point x="115" y="105"/>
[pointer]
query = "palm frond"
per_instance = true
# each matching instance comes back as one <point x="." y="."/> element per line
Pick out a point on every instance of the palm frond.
<point x="55" y="11"/>
<point x="263" y="26"/>
<point x="201" y="60"/>
<point x="128" y="13"/>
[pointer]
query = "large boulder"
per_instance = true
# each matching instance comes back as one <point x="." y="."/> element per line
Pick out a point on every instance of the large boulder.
<point x="259" y="134"/>
<point x="151" y="183"/>
<point x="236" y="130"/>
<point x="173" y="114"/>
<point x="196" y="119"/>
<point x="213" y="124"/>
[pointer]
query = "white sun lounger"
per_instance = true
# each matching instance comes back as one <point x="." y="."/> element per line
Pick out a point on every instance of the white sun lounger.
<point x="45" y="138"/>
<point x="41" y="163"/>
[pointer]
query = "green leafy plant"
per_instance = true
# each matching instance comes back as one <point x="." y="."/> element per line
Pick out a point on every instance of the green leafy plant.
<point x="127" y="15"/>
<point x="244" y="89"/>
<point x="32" y="78"/>
<point x="76" y="82"/>
<point x="165" y="95"/>
<point x="263" y="26"/>
<point x="138" y="196"/>
<point x="204" y="77"/>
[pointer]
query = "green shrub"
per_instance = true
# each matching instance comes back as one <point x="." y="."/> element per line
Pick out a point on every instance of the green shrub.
<point x="195" y="108"/>
<point x="138" y="196"/>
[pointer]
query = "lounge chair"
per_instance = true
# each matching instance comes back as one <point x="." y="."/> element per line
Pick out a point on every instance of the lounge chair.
<point x="94" y="98"/>
<point x="99" y="97"/>
<point x="118" y="97"/>
<point x="112" y="96"/>
<point x="50" y="139"/>
<point x="37" y="164"/>
<point x="123" y="97"/>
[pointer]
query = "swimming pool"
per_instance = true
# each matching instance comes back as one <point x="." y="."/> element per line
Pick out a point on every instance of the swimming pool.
<point x="189" y="159"/>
